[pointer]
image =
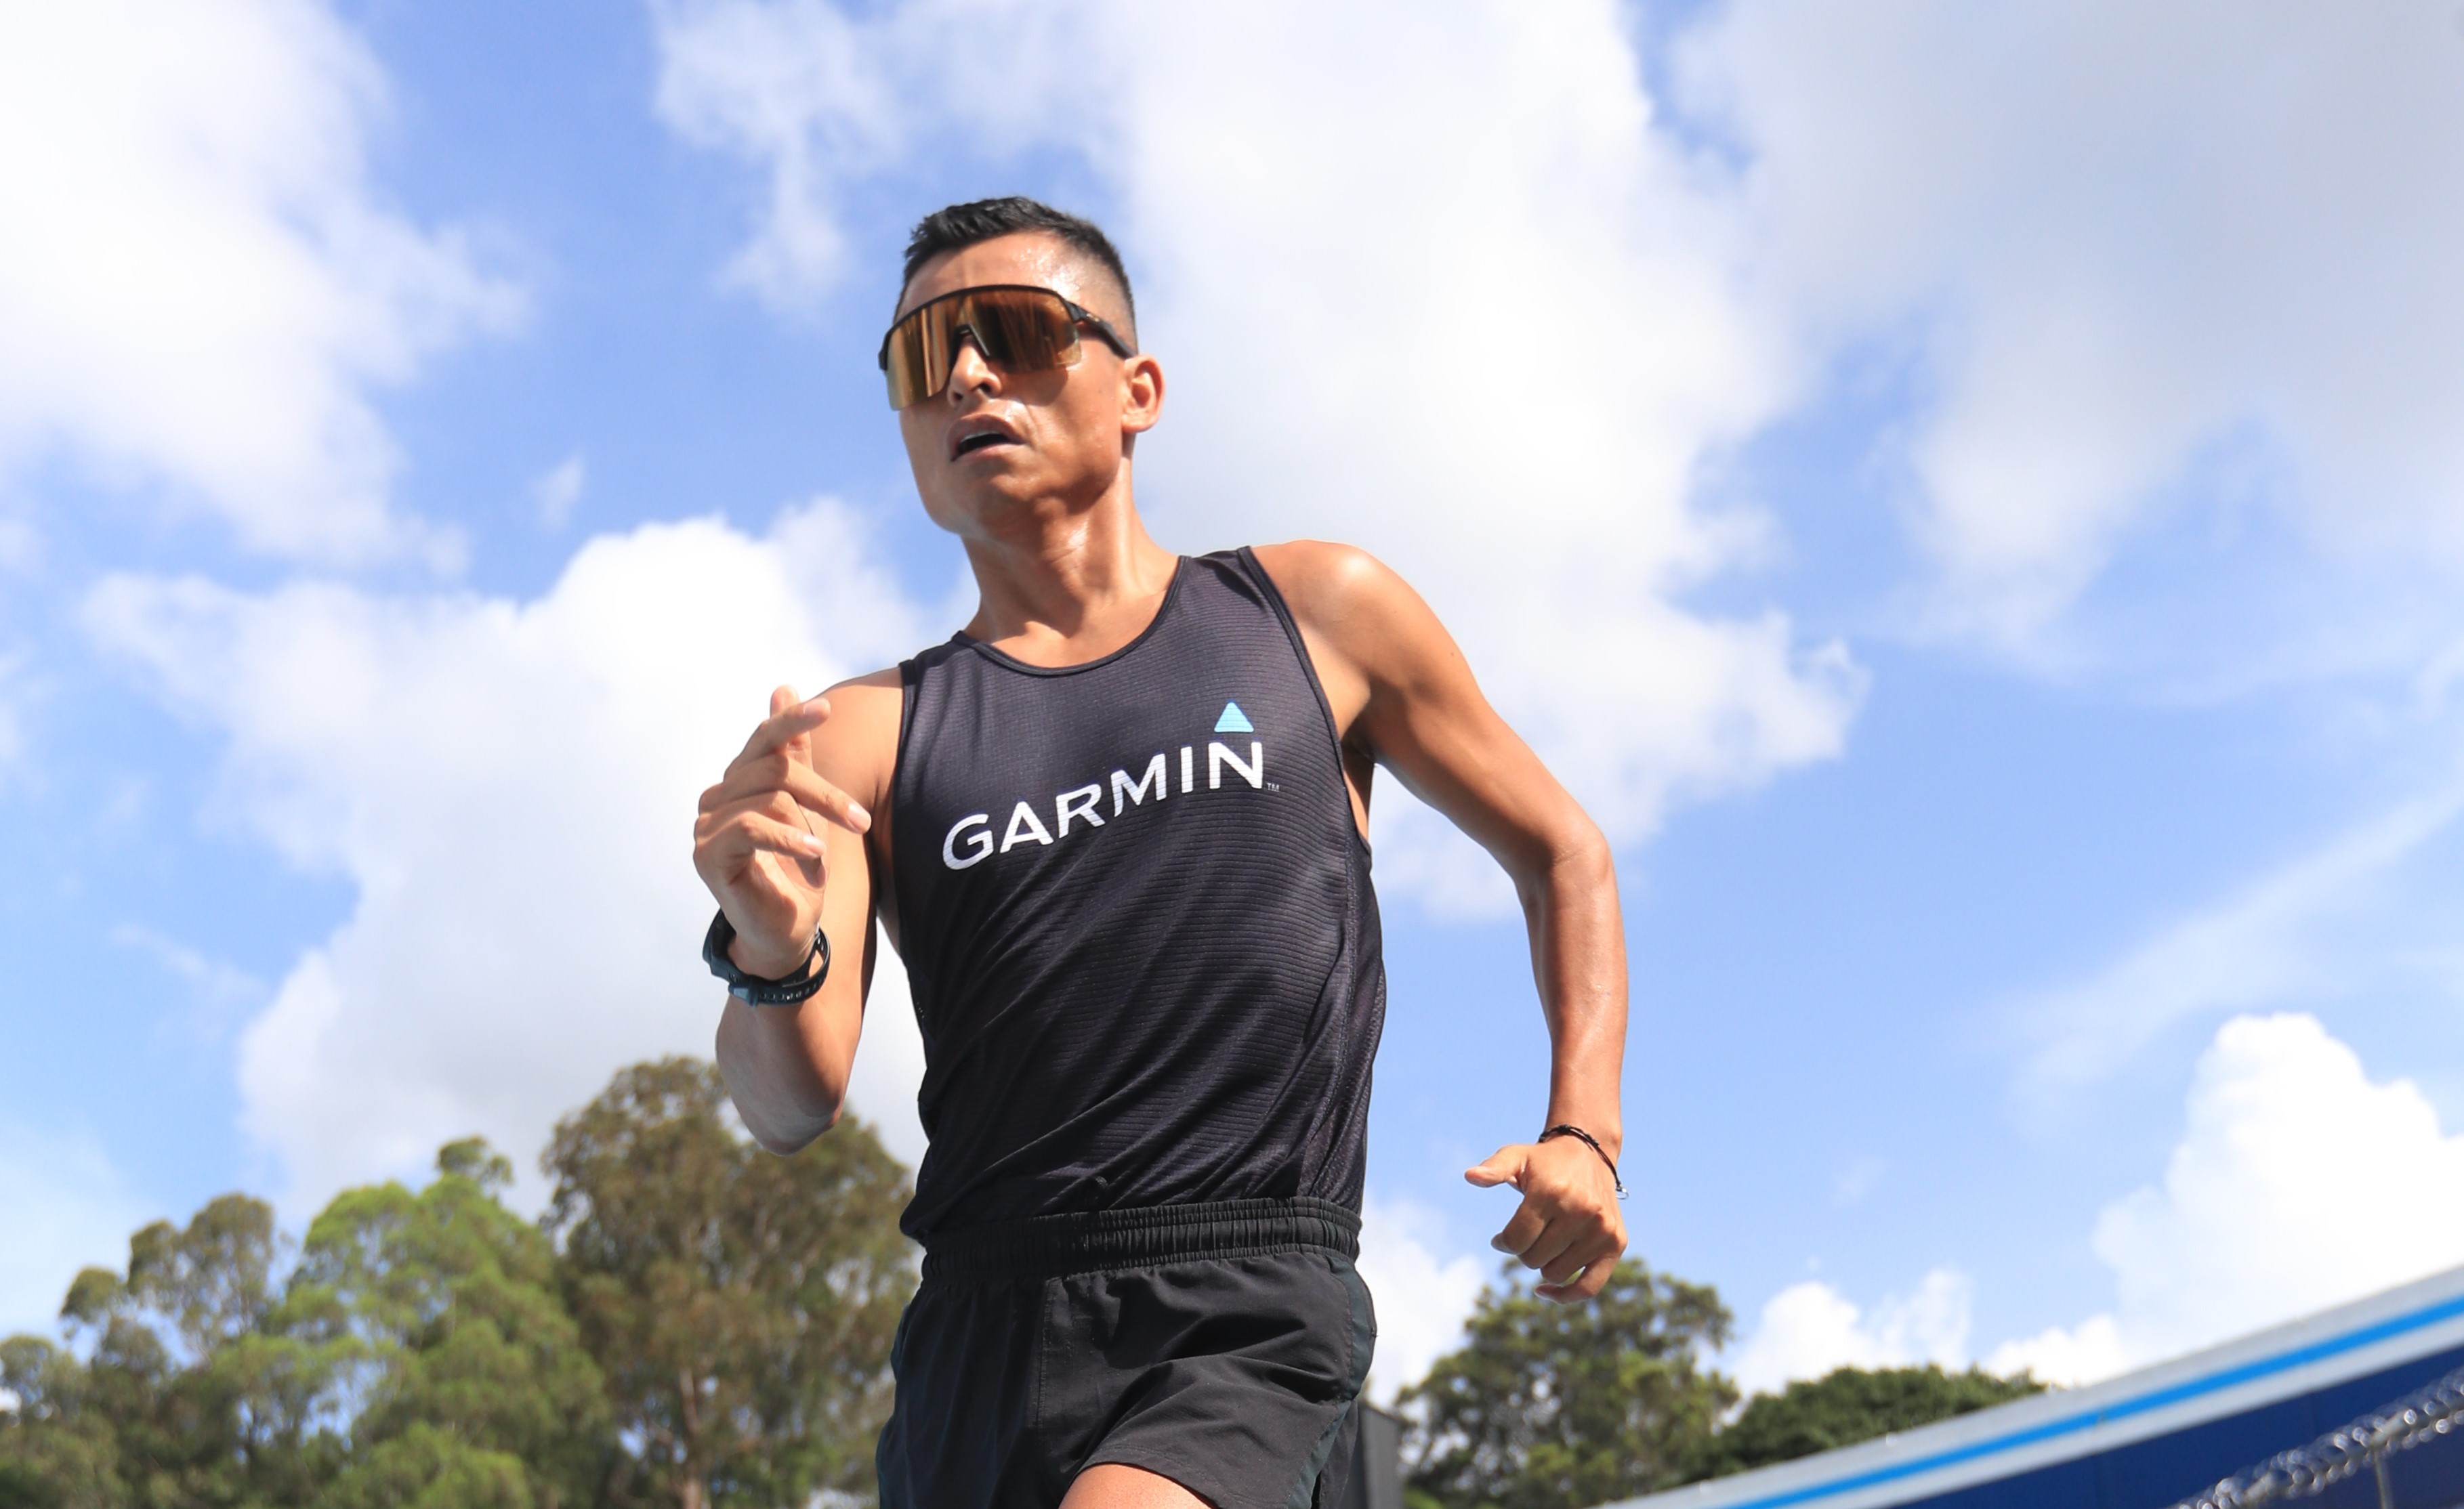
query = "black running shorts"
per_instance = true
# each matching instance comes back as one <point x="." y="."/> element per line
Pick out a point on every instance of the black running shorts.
<point x="1220" y="1346"/>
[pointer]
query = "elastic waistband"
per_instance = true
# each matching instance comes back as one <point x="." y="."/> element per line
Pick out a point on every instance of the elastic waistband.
<point x="1049" y="1246"/>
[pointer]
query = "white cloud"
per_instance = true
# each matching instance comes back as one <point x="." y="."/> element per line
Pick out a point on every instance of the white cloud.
<point x="2065" y="1356"/>
<point x="2122" y="243"/>
<point x="791" y="84"/>
<point x="1807" y="1329"/>
<point x="2209" y="264"/>
<point x="14" y="693"/>
<point x="2311" y="926"/>
<point x="2298" y="1184"/>
<point x="889" y="1062"/>
<point x="1298" y="195"/>
<point x="1423" y="1299"/>
<point x="1447" y="873"/>
<point x="198" y="284"/>
<point x="216" y="982"/>
<point x="556" y="491"/>
<point x="68" y="1209"/>
<point x="220" y="994"/>
<point x="510" y="786"/>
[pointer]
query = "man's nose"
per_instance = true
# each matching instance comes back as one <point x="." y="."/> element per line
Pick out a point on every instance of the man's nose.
<point x="969" y="371"/>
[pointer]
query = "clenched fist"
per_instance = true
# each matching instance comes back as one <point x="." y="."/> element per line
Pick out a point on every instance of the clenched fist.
<point x="1568" y="1226"/>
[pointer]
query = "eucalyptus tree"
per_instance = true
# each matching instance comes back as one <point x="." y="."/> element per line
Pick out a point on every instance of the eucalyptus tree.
<point x="741" y="1304"/>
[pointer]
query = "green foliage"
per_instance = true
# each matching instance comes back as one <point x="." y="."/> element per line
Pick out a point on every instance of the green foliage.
<point x="189" y="1394"/>
<point x="1554" y="1406"/>
<point x="24" y="1487"/>
<point x="1850" y="1405"/>
<point x="472" y="1159"/>
<point x="207" y="1284"/>
<point x="53" y="1452"/>
<point x="716" y="1331"/>
<point x="428" y="1467"/>
<point x="742" y="1305"/>
<point x="474" y="1383"/>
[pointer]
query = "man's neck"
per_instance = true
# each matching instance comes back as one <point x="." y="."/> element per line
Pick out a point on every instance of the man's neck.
<point x="1068" y="586"/>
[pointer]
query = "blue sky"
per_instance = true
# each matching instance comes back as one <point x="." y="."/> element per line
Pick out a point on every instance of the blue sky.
<point x="1969" y="499"/>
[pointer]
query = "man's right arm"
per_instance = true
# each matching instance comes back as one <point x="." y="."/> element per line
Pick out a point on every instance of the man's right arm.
<point x="782" y="842"/>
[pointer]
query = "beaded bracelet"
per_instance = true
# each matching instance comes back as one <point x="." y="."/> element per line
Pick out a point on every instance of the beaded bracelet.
<point x="1593" y="1143"/>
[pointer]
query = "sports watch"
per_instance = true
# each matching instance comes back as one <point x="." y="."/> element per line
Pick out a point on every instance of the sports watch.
<point x="752" y="988"/>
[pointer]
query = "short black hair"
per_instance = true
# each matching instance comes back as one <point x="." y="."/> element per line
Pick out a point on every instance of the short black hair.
<point x="961" y="226"/>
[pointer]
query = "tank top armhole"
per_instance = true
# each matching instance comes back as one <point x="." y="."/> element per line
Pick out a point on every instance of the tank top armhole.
<point x="910" y="682"/>
<point x="910" y="676"/>
<point x="1258" y="572"/>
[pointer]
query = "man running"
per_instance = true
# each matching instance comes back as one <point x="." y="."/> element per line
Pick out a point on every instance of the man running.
<point x="1115" y="828"/>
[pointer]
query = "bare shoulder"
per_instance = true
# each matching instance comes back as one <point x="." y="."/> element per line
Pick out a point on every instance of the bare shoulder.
<point x="1359" y="606"/>
<point x="1322" y="579"/>
<point x="858" y="747"/>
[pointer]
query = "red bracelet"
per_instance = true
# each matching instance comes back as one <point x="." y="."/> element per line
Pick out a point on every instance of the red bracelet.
<point x="1593" y="1143"/>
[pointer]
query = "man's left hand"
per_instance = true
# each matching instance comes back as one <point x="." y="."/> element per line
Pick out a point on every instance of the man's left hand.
<point x="1568" y="1226"/>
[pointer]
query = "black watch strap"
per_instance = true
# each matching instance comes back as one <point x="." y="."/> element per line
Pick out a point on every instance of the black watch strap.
<point x="753" y="989"/>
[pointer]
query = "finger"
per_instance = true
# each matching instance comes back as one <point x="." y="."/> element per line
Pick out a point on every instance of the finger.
<point x="783" y="702"/>
<point x="1520" y="1232"/>
<point x="1504" y="1166"/>
<point x="1587" y="1270"/>
<point x="799" y="745"/>
<point x="734" y="839"/>
<point x="1595" y="1276"/>
<point x="753" y="778"/>
<point x="1556" y="1239"/>
<point x="787" y="727"/>
<point x="783" y="699"/>
<point x="1576" y="1257"/>
<point x="818" y="795"/>
<point x="774" y="804"/>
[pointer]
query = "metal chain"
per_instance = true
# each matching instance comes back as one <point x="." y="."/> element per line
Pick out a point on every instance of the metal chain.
<point x="2366" y="1443"/>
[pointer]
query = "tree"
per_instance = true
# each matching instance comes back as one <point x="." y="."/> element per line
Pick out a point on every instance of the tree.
<point x="474" y="1389"/>
<point x="740" y="1305"/>
<point x="1555" y="1407"/>
<point x="715" y="1330"/>
<point x="53" y="1451"/>
<point x="419" y="1355"/>
<point x="191" y="1394"/>
<point x="1847" y="1405"/>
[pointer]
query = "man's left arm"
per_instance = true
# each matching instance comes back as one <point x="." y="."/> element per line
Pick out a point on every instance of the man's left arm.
<point x="1403" y="695"/>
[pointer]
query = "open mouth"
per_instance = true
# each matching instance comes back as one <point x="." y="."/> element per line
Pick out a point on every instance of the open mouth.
<point x="982" y="440"/>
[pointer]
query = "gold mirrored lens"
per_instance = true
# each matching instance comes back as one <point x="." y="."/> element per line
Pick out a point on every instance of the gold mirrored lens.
<point x="1017" y="329"/>
<point x="905" y="362"/>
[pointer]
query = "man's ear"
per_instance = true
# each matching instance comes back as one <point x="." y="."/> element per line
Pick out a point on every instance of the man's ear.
<point x="1141" y="397"/>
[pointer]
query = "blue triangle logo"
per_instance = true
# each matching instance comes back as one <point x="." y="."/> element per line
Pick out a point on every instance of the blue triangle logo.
<point x="1233" y="721"/>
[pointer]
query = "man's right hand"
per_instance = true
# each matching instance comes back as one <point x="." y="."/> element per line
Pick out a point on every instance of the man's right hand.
<point x="755" y="844"/>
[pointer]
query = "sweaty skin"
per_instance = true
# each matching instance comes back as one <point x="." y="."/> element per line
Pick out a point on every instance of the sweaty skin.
<point x="795" y="836"/>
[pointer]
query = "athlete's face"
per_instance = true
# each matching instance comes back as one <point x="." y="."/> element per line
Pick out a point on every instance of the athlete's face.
<point x="994" y="447"/>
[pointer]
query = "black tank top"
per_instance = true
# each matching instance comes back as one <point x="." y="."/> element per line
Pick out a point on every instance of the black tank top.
<point x="1137" y="918"/>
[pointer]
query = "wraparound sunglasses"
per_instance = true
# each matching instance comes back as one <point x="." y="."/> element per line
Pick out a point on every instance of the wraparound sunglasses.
<point x="1018" y="327"/>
